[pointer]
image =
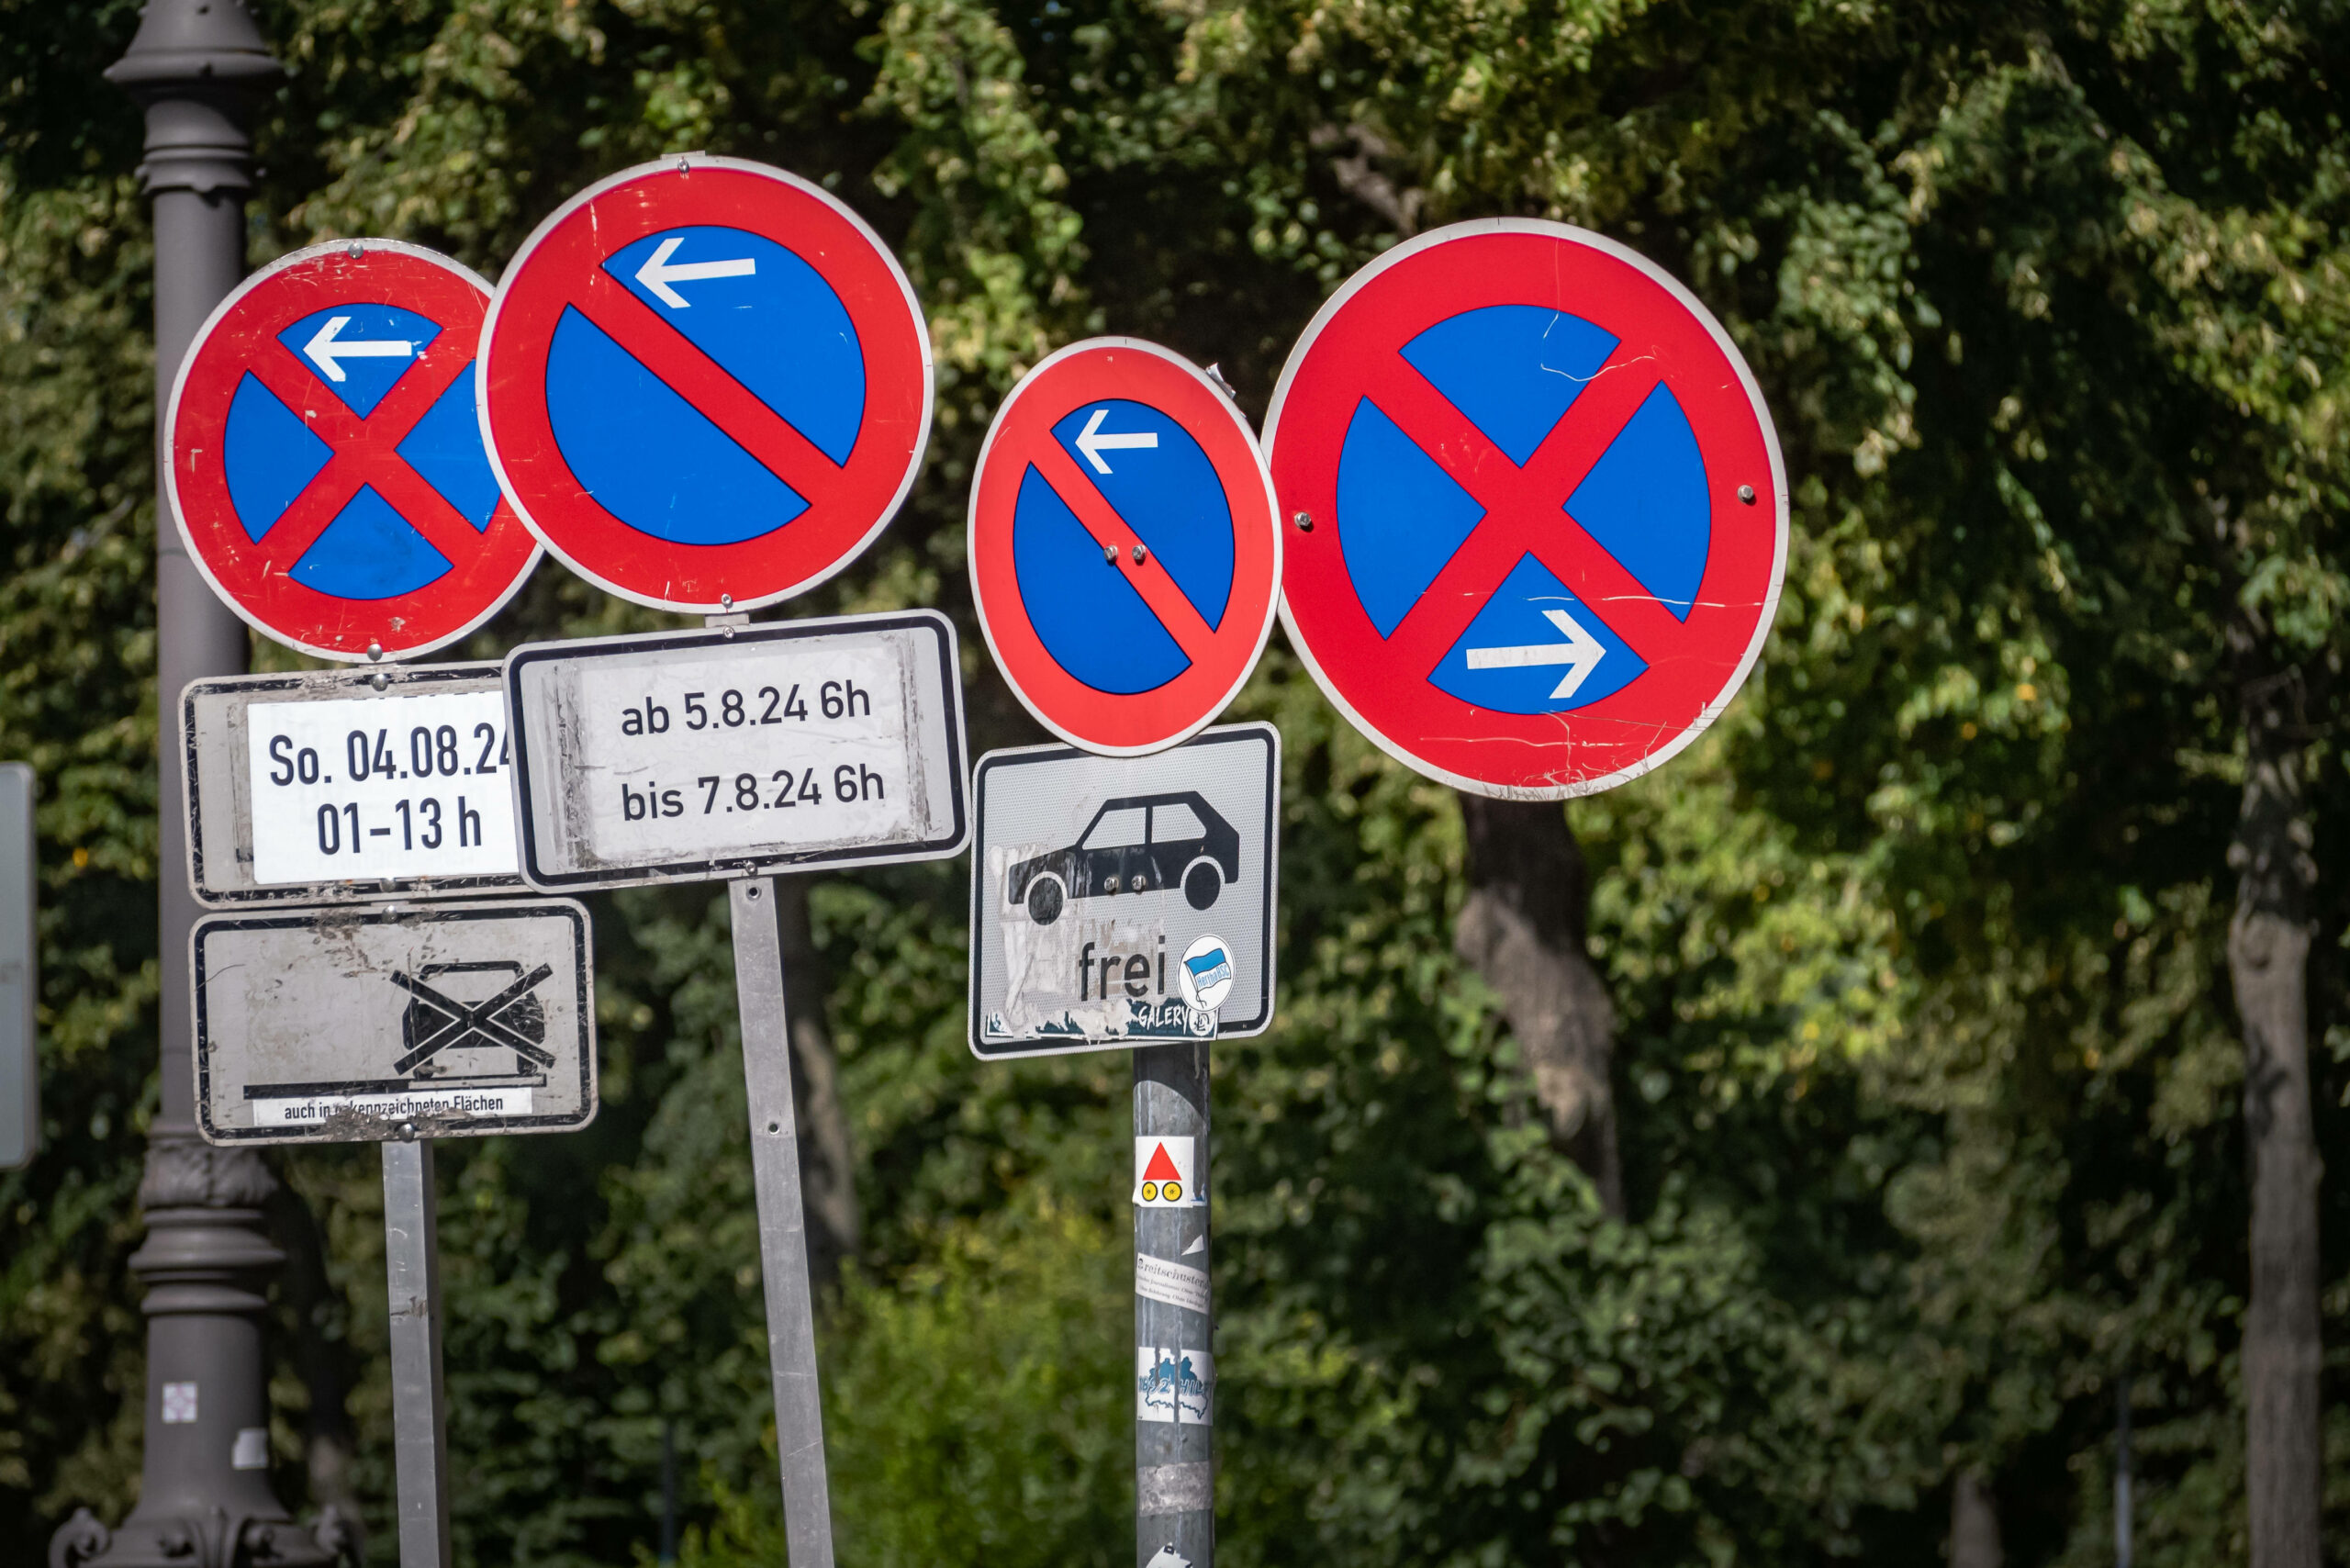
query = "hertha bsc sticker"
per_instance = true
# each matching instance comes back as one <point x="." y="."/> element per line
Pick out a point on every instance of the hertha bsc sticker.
<point x="1165" y="1176"/>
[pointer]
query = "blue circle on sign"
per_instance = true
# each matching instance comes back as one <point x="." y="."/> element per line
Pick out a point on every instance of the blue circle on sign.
<point x="269" y="456"/>
<point x="1515" y="372"/>
<point x="1155" y="475"/>
<point x="761" y="315"/>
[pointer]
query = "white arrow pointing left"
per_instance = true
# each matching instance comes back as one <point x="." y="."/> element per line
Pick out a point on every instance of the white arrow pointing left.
<point x="1093" y="443"/>
<point x="1580" y="653"/>
<point x="327" y="350"/>
<point x="657" y="274"/>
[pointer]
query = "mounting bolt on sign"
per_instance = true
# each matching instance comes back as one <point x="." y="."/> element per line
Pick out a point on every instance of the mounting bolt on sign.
<point x="705" y="384"/>
<point x="1126" y="550"/>
<point x="1539" y="456"/>
<point x="326" y="468"/>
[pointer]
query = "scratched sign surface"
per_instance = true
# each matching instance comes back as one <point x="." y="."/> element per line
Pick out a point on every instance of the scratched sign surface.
<point x="366" y="1024"/>
<point x="1119" y="901"/>
<point x="1540" y="518"/>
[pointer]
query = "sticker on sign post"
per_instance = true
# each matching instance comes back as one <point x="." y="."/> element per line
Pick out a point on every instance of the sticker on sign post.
<point x="1542" y="513"/>
<point x="691" y="756"/>
<point x="326" y="468"/>
<point x="1119" y="901"/>
<point x="338" y="785"/>
<point x="1124" y="556"/>
<point x="705" y="384"/>
<point x="366" y="1024"/>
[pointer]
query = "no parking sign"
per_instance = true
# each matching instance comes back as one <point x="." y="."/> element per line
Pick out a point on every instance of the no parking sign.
<point x="1124" y="556"/>
<point x="1545" y="518"/>
<point x="705" y="384"/>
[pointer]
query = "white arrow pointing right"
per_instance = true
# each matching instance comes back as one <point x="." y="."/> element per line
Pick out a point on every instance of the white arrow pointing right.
<point x="1580" y="653"/>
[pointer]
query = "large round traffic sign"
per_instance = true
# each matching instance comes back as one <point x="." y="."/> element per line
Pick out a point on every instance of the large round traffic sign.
<point x="1540" y="514"/>
<point x="325" y="468"/>
<point x="705" y="384"/>
<point x="1124" y="554"/>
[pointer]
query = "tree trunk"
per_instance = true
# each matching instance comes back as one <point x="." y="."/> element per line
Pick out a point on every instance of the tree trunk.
<point x="1974" y="1523"/>
<point x="827" y="1162"/>
<point x="2268" y="948"/>
<point x="1523" y="928"/>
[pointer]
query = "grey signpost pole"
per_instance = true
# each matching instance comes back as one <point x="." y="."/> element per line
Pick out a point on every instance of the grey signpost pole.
<point x="783" y="1223"/>
<point x="413" y="1273"/>
<point x="196" y="67"/>
<point x="1174" y="1473"/>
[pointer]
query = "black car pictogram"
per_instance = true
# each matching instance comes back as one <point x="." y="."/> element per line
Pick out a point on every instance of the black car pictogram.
<point x="1141" y="844"/>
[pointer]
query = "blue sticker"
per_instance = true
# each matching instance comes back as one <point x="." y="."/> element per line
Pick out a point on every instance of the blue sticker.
<point x="1536" y="648"/>
<point x="358" y="351"/>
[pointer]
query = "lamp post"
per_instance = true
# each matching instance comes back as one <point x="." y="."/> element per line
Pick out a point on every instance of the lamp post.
<point x="196" y="67"/>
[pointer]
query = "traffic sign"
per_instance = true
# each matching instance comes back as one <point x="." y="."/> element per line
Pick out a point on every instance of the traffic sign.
<point x="361" y="1025"/>
<point x="1126" y="557"/>
<point x="330" y="786"/>
<point x="1124" y="900"/>
<point x="1540" y="518"/>
<point x="325" y="466"/>
<point x="739" y="751"/>
<point x="705" y="384"/>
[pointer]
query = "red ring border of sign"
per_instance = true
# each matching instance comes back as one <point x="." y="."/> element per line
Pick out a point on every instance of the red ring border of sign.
<point x="1527" y="730"/>
<point x="1209" y="415"/>
<point x="609" y="231"/>
<point x="202" y="375"/>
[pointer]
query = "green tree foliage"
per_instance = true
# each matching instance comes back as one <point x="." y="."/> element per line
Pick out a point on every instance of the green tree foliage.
<point x="1929" y="1070"/>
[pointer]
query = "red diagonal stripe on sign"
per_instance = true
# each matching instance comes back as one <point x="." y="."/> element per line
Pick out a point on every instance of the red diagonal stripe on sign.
<point x="1176" y="612"/>
<point x="701" y="381"/>
<point x="1524" y="512"/>
<point x="366" y="452"/>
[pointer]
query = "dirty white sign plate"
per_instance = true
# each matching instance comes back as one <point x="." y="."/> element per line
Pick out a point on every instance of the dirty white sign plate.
<point x="738" y="751"/>
<point x="1117" y="901"/>
<point x="324" y="787"/>
<point x="360" y="1025"/>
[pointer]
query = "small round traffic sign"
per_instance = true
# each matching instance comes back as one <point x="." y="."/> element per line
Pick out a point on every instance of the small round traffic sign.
<point x="1541" y="518"/>
<point x="1125" y="555"/>
<point x="705" y="384"/>
<point x="326" y="469"/>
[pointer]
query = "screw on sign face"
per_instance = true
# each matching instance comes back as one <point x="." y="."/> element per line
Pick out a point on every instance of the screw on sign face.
<point x="705" y="384"/>
<point x="1539" y="517"/>
<point x="1126" y="557"/>
<point x="326" y="469"/>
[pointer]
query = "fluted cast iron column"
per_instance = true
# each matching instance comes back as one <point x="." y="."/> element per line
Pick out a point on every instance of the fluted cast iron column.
<point x="196" y="67"/>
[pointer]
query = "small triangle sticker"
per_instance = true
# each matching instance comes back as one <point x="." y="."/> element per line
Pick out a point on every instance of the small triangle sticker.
<point x="1161" y="1168"/>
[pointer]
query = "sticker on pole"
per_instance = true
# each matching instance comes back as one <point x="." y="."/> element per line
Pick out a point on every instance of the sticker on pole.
<point x="1120" y="901"/>
<point x="705" y="384"/>
<point x="1165" y="1173"/>
<point x="356" y="1026"/>
<point x="326" y="467"/>
<point x="1544" y="519"/>
<point x="1126" y="557"/>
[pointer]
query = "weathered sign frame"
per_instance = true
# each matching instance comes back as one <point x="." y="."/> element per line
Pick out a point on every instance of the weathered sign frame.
<point x="214" y="737"/>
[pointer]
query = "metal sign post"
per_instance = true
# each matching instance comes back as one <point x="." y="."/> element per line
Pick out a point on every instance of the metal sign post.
<point x="412" y="1274"/>
<point x="1174" y="1325"/>
<point x="783" y="1223"/>
<point x="19" y="968"/>
<point x="731" y="754"/>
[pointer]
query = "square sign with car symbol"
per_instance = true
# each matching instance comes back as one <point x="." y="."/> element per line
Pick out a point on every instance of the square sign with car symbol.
<point x="1120" y="901"/>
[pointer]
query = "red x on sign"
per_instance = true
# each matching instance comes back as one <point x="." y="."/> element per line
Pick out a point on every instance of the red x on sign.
<point x="326" y="469"/>
<point x="1541" y="518"/>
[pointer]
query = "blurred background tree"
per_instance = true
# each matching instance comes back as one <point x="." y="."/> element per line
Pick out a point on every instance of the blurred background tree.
<point x="1946" y="1001"/>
